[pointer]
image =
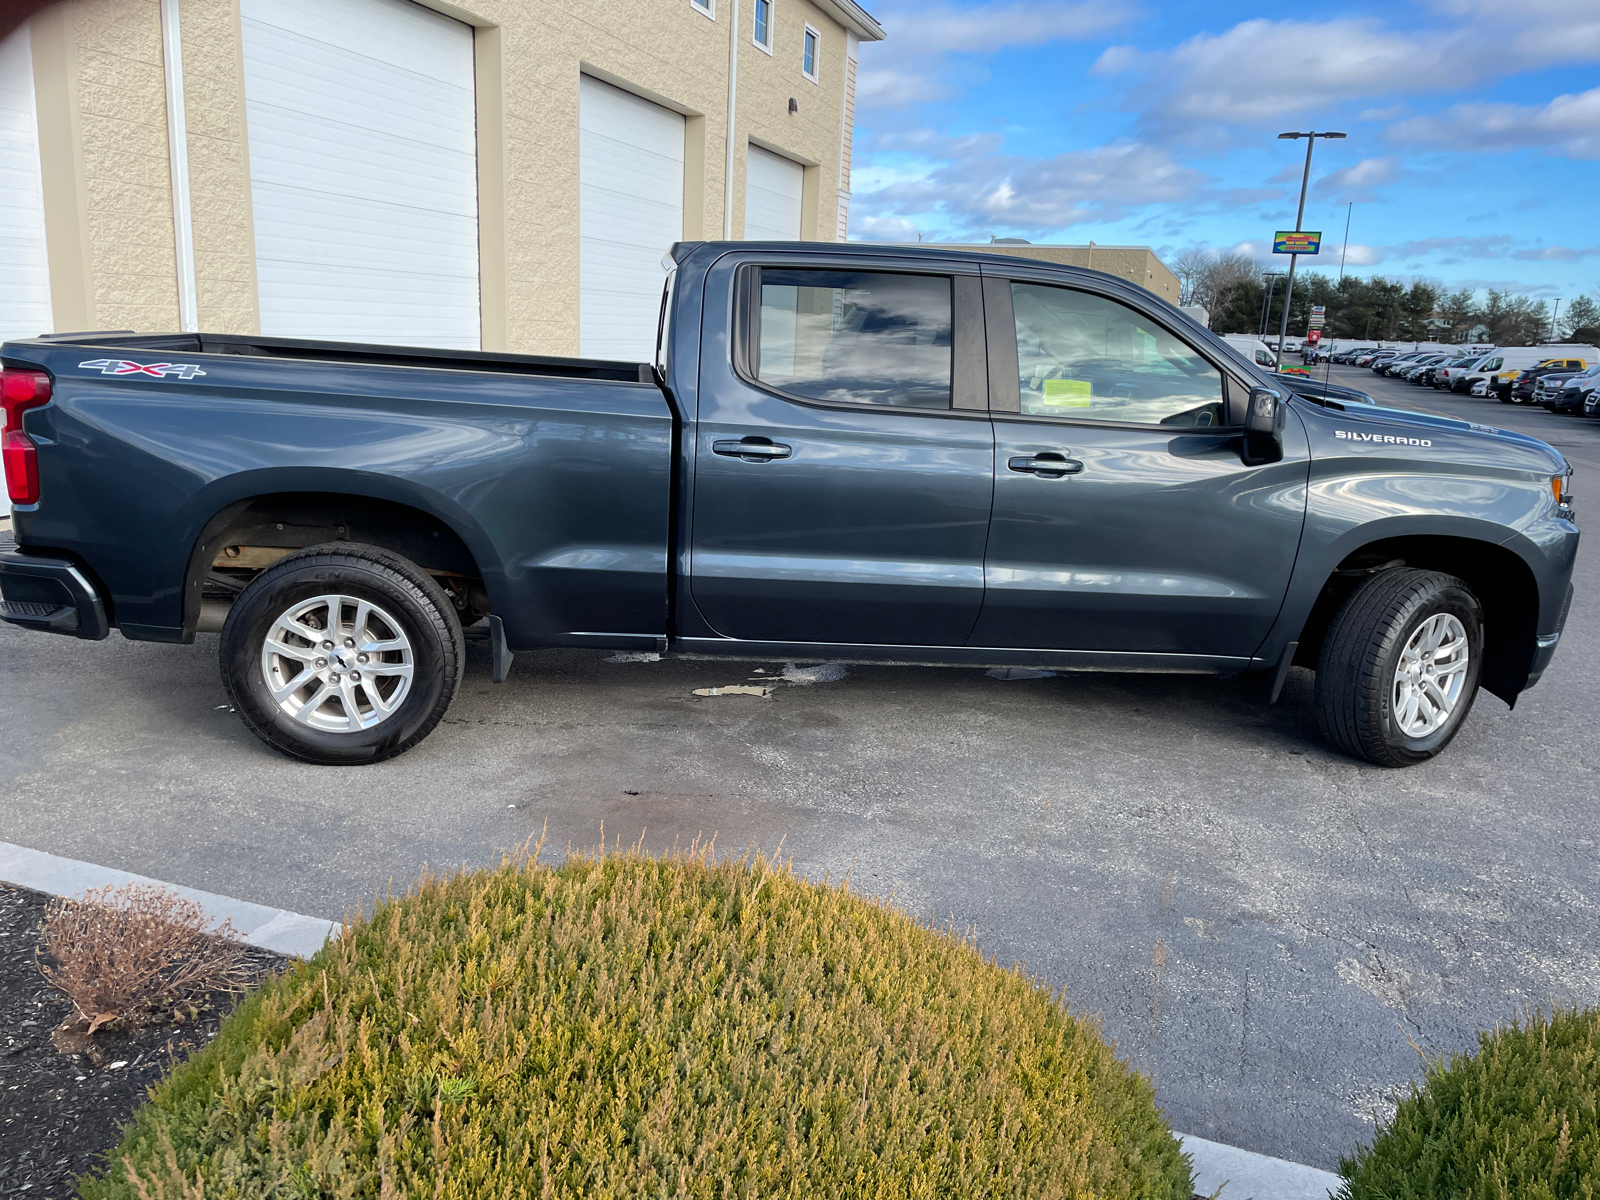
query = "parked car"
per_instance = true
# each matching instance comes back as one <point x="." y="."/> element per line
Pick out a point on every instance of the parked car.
<point x="817" y="467"/>
<point x="1591" y="403"/>
<point x="1447" y="377"/>
<point x="1527" y="381"/>
<point x="1413" y="371"/>
<point x="1575" y="392"/>
<point x="1483" y="388"/>
<point x="1506" y="363"/>
<point x="1427" y="375"/>
<point x="1548" y="387"/>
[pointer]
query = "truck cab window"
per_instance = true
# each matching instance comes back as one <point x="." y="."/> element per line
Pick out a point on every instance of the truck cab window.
<point x="1087" y="357"/>
<point x="855" y="337"/>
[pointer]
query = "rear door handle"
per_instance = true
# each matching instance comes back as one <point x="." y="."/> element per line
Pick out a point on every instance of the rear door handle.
<point x="752" y="449"/>
<point x="1047" y="463"/>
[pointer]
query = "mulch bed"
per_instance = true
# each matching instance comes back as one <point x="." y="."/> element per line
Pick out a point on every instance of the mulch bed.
<point x="61" y="1112"/>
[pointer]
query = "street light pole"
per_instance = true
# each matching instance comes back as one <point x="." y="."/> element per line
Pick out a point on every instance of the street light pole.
<point x="1266" y="305"/>
<point x="1299" y="219"/>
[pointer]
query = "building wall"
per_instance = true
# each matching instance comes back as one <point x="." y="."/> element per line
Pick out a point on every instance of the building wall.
<point x="1137" y="264"/>
<point x="107" y="189"/>
<point x="101" y="89"/>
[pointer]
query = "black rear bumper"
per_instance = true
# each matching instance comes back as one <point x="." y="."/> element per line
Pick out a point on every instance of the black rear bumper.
<point x="50" y="594"/>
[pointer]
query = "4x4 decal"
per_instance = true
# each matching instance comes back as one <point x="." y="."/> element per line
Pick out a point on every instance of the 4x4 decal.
<point x="121" y="366"/>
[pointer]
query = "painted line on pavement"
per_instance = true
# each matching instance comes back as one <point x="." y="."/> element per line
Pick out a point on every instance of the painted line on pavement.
<point x="1230" y="1173"/>
<point x="270" y="928"/>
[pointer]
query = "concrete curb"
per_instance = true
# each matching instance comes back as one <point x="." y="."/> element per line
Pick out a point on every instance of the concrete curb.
<point x="1230" y="1173"/>
<point x="1226" y="1172"/>
<point x="270" y="928"/>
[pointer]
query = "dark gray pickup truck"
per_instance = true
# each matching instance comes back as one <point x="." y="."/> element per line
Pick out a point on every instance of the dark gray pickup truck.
<point x="842" y="453"/>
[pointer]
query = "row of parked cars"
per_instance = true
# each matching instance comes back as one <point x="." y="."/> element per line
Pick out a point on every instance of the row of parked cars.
<point x="1561" y="378"/>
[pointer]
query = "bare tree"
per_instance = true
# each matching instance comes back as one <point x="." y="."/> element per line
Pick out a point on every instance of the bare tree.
<point x="1209" y="279"/>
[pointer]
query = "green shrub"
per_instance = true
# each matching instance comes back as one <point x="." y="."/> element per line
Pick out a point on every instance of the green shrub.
<point x="629" y="1026"/>
<point x="1519" y="1118"/>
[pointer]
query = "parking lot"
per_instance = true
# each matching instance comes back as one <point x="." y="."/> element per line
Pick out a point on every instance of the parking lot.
<point x="1268" y="929"/>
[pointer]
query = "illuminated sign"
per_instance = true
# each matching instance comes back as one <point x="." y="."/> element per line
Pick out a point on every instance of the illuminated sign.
<point x="1290" y="242"/>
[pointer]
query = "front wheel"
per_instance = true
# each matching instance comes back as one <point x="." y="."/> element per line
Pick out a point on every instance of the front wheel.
<point x="1399" y="667"/>
<point x="342" y="654"/>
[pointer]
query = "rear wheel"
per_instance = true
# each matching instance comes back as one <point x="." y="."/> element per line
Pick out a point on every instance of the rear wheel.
<point x="342" y="654"/>
<point x="1399" y="667"/>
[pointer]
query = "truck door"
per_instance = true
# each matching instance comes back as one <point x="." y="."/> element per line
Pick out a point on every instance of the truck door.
<point x="843" y="457"/>
<point x="1124" y="517"/>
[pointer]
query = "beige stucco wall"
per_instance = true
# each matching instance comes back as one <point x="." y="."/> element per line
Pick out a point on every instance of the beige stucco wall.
<point x="101" y="85"/>
<point x="219" y="167"/>
<point x="108" y="200"/>
<point x="1137" y="264"/>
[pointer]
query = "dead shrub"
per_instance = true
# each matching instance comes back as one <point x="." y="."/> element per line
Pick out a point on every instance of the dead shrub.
<point x="129" y="954"/>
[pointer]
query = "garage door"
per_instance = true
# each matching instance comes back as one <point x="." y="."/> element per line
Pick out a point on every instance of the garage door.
<point x="772" y="186"/>
<point x="630" y="211"/>
<point x="363" y="171"/>
<point x="24" y="266"/>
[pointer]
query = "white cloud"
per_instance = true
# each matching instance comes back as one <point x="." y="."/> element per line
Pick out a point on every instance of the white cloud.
<point x="1114" y="60"/>
<point x="1262" y="70"/>
<point x="930" y="143"/>
<point x="1359" y="183"/>
<point x="1557" y="254"/>
<point x="1038" y="195"/>
<point x="1568" y="125"/>
<point x="910" y="67"/>
<point x="882" y="229"/>
<point x="1457" y="248"/>
<point x="1535" y="33"/>
<point x="1359" y="255"/>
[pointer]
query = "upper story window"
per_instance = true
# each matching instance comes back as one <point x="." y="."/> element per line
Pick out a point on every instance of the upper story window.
<point x="808" y="59"/>
<point x="706" y="8"/>
<point x="855" y="337"/>
<point x="1086" y="357"/>
<point x="761" y="34"/>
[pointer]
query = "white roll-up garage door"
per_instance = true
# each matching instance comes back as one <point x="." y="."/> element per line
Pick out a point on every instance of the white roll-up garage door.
<point x="630" y="211"/>
<point x="363" y="171"/>
<point x="24" y="263"/>
<point x="772" y="189"/>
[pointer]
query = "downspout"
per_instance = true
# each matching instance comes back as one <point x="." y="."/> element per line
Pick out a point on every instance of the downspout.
<point x="178" y="161"/>
<point x="733" y="95"/>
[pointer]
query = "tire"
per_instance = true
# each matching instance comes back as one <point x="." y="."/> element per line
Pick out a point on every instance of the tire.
<point x="398" y="611"/>
<point x="1358" y="685"/>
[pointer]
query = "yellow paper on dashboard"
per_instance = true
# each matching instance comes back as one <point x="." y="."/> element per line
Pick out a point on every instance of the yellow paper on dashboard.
<point x="1060" y="394"/>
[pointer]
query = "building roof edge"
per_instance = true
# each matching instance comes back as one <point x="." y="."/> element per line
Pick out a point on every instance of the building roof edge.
<point x="854" y="18"/>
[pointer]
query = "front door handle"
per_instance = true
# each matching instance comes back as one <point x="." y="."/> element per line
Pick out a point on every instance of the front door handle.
<point x="752" y="449"/>
<point x="1046" y="463"/>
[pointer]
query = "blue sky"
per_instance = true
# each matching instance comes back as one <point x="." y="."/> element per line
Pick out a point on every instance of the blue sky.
<point x="1473" y="157"/>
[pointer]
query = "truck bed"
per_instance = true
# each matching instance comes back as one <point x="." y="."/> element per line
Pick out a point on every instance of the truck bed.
<point x="536" y="487"/>
<point x="358" y="352"/>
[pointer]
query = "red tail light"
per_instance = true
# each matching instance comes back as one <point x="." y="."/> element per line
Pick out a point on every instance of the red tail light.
<point x="20" y="391"/>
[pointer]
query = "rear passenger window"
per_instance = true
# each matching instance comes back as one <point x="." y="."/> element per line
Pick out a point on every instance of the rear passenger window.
<point x="1081" y="355"/>
<point x="855" y="337"/>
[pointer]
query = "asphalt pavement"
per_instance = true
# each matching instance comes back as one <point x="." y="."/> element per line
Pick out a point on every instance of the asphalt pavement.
<point x="1270" y="930"/>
